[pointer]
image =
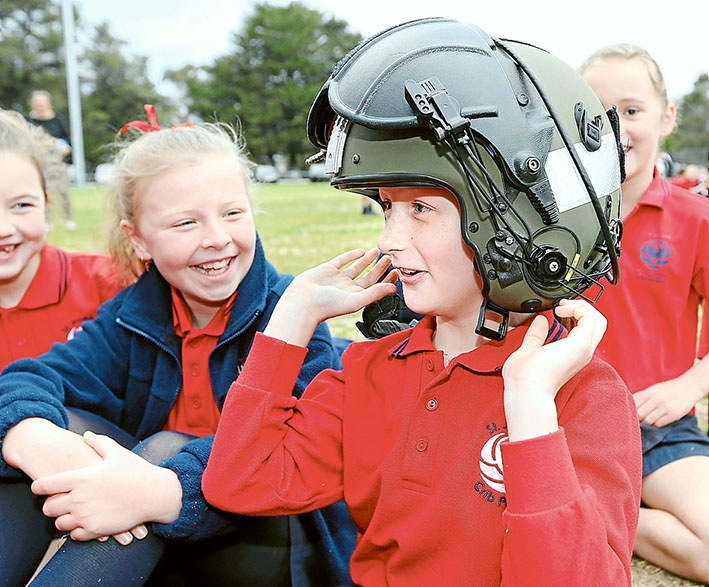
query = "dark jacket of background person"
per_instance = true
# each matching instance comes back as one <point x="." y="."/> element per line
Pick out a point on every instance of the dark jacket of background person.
<point x="54" y="126"/>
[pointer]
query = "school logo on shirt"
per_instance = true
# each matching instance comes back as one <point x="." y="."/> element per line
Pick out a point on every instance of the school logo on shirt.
<point x="491" y="469"/>
<point x="73" y="332"/>
<point x="655" y="253"/>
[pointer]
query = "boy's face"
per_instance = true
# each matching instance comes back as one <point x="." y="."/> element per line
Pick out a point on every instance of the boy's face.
<point x="22" y="220"/>
<point x="422" y="236"/>
<point x="195" y="223"/>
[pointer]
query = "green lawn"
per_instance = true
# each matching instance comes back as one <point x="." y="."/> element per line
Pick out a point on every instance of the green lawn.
<point x="301" y="225"/>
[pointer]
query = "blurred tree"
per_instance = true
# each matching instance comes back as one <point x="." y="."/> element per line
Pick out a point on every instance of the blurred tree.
<point x="114" y="87"/>
<point x="31" y="53"/>
<point x="689" y="142"/>
<point x="114" y="84"/>
<point x="280" y="60"/>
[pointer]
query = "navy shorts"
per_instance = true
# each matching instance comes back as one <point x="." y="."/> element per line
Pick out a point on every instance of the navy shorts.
<point x="667" y="444"/>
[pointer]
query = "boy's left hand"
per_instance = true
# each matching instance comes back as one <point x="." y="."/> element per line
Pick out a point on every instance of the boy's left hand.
<point x="111" y="497"/>
<point x="535" y="372"/>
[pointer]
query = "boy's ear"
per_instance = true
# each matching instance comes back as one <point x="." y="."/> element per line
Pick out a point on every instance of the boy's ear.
<point x="668" y="120"/>
<point x="136" y="241"/>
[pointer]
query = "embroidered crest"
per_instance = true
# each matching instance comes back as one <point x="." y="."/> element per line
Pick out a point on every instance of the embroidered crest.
<point x="655" y="253"/>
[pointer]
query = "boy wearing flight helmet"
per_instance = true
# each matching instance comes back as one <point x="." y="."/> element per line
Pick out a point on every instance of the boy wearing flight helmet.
<point x="467" y="454"/>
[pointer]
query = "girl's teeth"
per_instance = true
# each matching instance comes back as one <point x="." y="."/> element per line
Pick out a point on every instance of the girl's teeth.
<point x="215" y="267"/>
<point x="7" y="249"/>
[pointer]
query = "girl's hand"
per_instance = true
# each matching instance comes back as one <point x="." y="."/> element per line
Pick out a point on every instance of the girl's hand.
<point x="39" y="448"/>
<point x="120" y="493"/>
<point x="664" y="402"/>
<point x="535" y="372"/>
<point x="328" y="290"/>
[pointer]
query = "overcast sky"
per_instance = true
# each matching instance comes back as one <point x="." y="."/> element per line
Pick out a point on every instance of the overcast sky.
<point x="172" y="33"/>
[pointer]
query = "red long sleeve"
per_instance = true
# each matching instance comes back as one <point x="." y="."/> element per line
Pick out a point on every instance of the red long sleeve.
<point x="419" y="452"/>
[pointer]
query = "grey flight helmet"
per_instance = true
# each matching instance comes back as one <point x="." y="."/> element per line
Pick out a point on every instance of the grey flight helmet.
<point x="514" y="133"/>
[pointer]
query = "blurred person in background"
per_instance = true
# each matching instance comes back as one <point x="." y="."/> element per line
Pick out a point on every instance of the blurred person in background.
<point x="42" y="114"/>
<point x="665" y="278"/>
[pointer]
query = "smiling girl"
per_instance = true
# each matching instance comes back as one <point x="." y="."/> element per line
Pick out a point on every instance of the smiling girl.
<point x="665" y="268"/>
<point x="45" y="293"/>
<point x="153" y="368"/>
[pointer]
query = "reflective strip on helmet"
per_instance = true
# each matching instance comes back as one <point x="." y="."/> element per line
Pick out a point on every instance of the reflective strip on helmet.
<point x="602" y="168"/>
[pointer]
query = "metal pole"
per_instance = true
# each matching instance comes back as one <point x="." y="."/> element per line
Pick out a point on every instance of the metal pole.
<point x="73" y="95"/>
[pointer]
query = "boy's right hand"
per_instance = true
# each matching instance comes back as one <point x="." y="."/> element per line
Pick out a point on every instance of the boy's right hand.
<point x="339" y="286"/>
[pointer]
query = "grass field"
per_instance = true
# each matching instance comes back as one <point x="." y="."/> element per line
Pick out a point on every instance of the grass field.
<point x="301" y="225"/>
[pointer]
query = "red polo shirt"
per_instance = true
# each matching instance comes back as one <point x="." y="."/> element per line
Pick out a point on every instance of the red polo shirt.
<point x="195" y="411"/>
<point x="419" y="452"/>
<point x="664" y="275"/>
<point x="66" y="290"/>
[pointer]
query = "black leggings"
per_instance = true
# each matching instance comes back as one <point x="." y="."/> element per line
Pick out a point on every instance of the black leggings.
<point x="255" y="552"/>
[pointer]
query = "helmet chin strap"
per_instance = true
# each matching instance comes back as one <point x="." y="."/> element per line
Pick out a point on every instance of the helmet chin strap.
<point x="488" y="312"/>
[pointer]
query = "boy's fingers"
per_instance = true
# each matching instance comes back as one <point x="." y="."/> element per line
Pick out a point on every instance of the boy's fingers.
<point x="373" y="293"/>
<point x="536" y="334"/>
<point x="347" y="257"/>
<point x="360" y="264"/>
<point x="375" y="273"/>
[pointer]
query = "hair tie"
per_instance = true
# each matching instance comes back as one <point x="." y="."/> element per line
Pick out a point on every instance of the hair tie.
<point x="152" y="124"/>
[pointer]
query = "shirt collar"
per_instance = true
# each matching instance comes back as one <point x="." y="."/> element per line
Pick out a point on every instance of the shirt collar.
<point x="50" y="282"/>
<point x="486" y="358"/>
<point x="657" y="193"/>
<point x="182" y="318"/>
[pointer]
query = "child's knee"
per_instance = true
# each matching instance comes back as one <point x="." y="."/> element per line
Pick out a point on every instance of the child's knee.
<point x="162" y="445"/>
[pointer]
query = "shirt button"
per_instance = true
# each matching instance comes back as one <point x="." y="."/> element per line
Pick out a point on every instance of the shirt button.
<point x="193" y="343"/>
<point x="429" y="365"/>
<point x="421" y="444"/>
<point x="194" y="370"/>
<point x="196" y="404"/>
<point x="431" y="404"/>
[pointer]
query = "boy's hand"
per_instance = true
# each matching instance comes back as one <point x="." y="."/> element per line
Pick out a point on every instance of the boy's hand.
<point x="120" y="493"/>
<point x="535" y="372"/>
<point x="331" y="289"/>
